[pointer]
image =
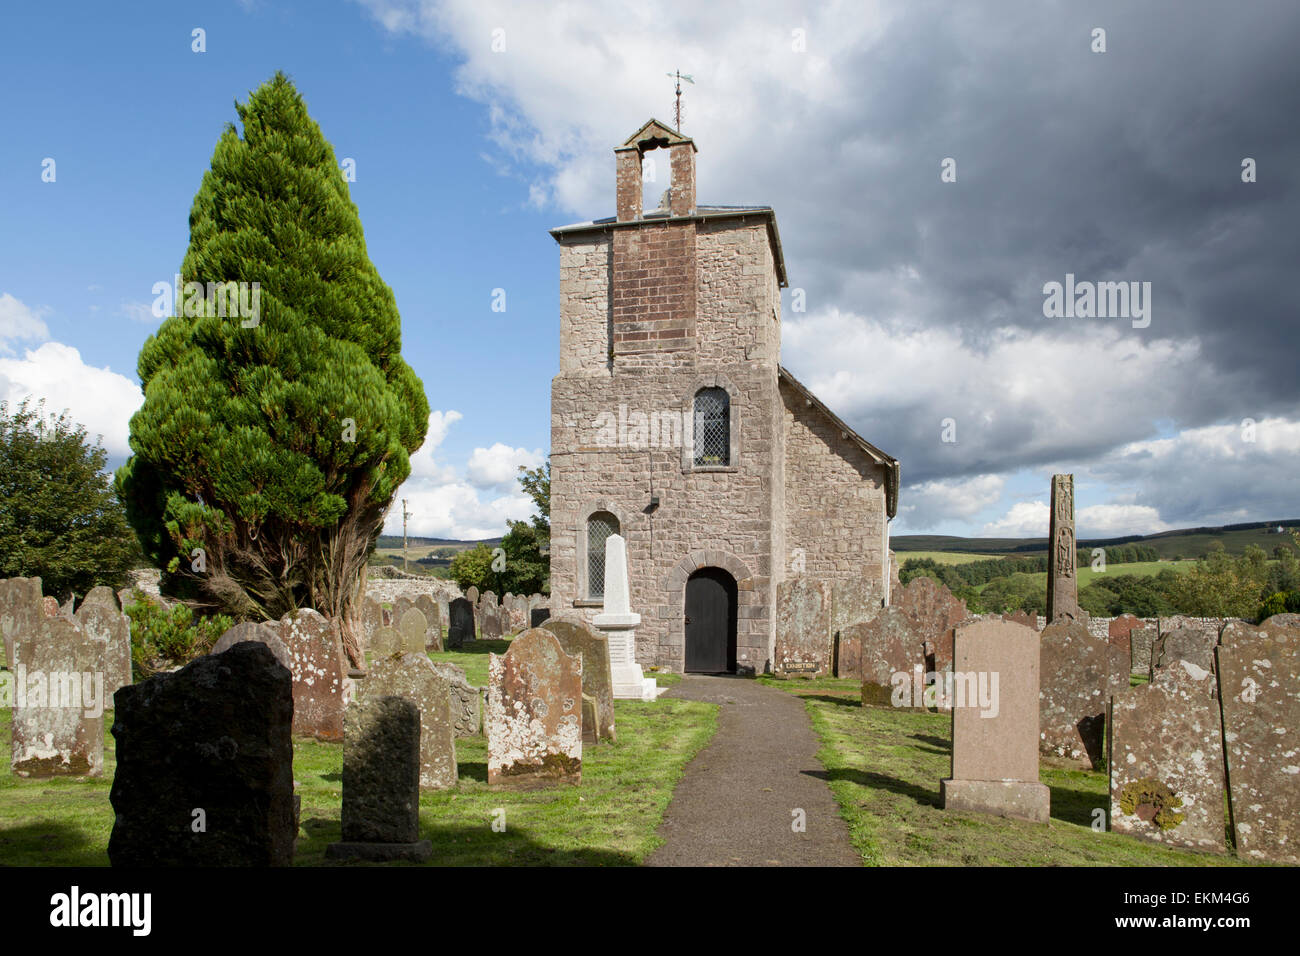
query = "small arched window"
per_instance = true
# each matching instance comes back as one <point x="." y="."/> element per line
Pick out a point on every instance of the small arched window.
<point x="600" y="526"/>
<point x="712" y="427"/>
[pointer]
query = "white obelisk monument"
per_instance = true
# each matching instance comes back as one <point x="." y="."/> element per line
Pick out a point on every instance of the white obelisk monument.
<point x="618" y="623"/>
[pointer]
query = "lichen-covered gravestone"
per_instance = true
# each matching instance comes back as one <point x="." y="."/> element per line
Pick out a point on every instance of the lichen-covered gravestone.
<point x="1259" y="672"/>
<point x="597" y="677"/>
<point x="264" y="632"/>
<point x="995" y="723"/>
<point x="464" y="698"/>
<point x="433" y="621"/>
<point x="57" y="727"/>
<point x="386" y="642"/>
<point x="105" y="623"/>
<point x="803" y="628"/>
<point x="1119" y="631"/>
<point x="534" y="714"/>
<point x="1141" y="642"/>
<point x="889" y="645"/>
<point x="21" y="608"/>
<point x="372" y="619"/>
<point x="1078" y="673"/>
<point x="848" y="656"/>
<point x="472" y="595"/>
<point x="1184" y="644"/>
<point x="936" y="612"/>
<point x="490" y="619"/>
<point x="414" y="628"/>
<point x="381" y="783"/>
<point x="319" y="671"/>
<point x="854" y="601"/>
<point x="460" y="622"/>
<point x="413" y="677"/>
<point x="205" y="764"/>
<point x="1166" y="759"/>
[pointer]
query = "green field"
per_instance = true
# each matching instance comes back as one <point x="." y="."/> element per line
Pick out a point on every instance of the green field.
<point x="943" y="557"/>
<point x="1138" y="568"/>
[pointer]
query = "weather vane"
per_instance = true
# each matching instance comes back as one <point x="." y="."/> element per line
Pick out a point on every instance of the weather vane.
<point x="677" y="110"/>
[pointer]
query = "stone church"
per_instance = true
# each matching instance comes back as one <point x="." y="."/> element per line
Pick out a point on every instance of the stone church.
<point x="674" y="425"/>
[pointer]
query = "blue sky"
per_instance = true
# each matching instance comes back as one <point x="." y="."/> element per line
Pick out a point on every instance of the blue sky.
<point x="922" y="304"/>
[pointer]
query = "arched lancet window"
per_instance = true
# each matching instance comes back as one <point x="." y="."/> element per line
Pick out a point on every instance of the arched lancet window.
<point x="600" y="526"/>
<point x="712" y="427"/>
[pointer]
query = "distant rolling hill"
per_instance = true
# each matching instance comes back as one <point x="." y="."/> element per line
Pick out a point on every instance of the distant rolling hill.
<point x="1183" y="543"/>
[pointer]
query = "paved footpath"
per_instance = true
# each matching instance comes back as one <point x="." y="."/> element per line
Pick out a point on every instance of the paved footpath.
<point x="733" y="805"/>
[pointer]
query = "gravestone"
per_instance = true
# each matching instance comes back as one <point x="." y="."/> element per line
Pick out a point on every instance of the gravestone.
<point x="213" y="736"/>
<point x="890" y="654"/>
<point x="578" y="640"/>
<point x="590" y="722"/>
<point x="508" y="612"/>
<point x="803" y="628"/>
<point x="539" y="616"/>
<point x="1062" y="575"/>
<point x="490" y="621"/>
<point x="414" y="629"/>
<point x="1022" y="617"/>
<point x="489" y="600"/>
<point x="1184" y="644"/>
<point x="264" y="632"/>
<point x="319" y="669"/>
<point x="1166" y="759"/>
<point x="21" y="608"/>
<point x="102" y="596"/>
<point x="472" y="595"/>
<point x="1078" y="673"/>
<point x="433" y="619"/>
<point x="534" y="713"/>
<point x="618" y="623"/>
<point x="381" y="783"/>
<point x="57" y="725"/>
<point x="1259" y="672"/>
<point x="105" y="623"/>
<point x="936" y="611"/>
<point x="50" y="606"/>
<point x="413" y="677"/>
<point x="460" y="622"/>
<point x="1141" y="643"/>
<point x="854" y="601"/>
<point x="848" y="656"/>
<point x="1120" y="629"/>
<point x="464" y="699"/>
<point x="386" y="642"/>
<point x="372" y="619"/>
<point x="995" y="723"/>
<point x="401" y="604"/>
<point x="1283" y="620"/>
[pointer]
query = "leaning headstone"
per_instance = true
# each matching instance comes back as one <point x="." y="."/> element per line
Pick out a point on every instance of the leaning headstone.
<point x="1062" y="576"/>
<point x="578" y="640"/>
<point x="464" y="699"/>
<point x="412" y="676"/>
<point x="1141" y="642"/>
<point x="803" y="628"/>
<point x="1119" y="631"/>
<point x="414" y="630"/>
<point x="1078" y="674"/>
<point x="57" y="726"/>
<point x="105" y="623"/>
<point x="1184" y="644"/>
<point x="213" y="739"/>
<point x="534" y="715"/>
<point x="891" y="655"/>
<point x="264" y="632"/>
<point x="995" y="723"/>
<point x="936" y="611"/>
<point x="381" y="783"/>
<point x="319" y="670"/>
<point x="1259" y="672"/>
<point x="1166" y="759"/>
<point x="460" y="623"/>
<point x="21" y="608"/>
<point x="490" y="621"/>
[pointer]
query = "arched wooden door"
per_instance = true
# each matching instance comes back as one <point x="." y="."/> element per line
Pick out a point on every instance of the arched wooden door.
<point x="711" y="622"/>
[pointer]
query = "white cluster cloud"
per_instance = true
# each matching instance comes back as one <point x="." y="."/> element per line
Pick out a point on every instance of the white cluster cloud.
<point x="19" y="323"/>
<point x="498" y="466"/>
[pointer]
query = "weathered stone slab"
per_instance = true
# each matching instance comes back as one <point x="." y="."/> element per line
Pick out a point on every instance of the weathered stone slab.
<point x="1119" y="631"/>
<point x="1259" y="669"/>
<point x="1283" y="620"/>
<point x="995" y="723"/>
<point x="319" y="668"/>
<point x="381" y="783"/>
<point x="103" y="622"/>
<point x="538" y="616"/>
<point x="372" y="619"/>
<point x="1062" y="574"/>
<point x="264" y="632"/>
<point x="472" y="595"/>
<point x="213" y="736"/>
<point x="1022" y="617"/>
<point x="413" y="677"/>
<point x="889" y="646"/>
<point x="1141" y="643"/>
<point x="101" y="595"/>
<point x="803" y="628"/>
<point x="1078" y="673"/>
<point x="489" y="620"/>
<point x="21" y="608"/>
<point x="460" y="622"/>
<point x="1166" y="759"/>
<point x="1184" y="644"/>
<point x="848" y="657"/>
<point x="854" y="601"/>
<point x="534" y="716"/>
<point x="386" y="642"/>
<point x="401" y="604"/>
<point x="464" y="698"/>
<point x="58" y="710"/>
<point x="489" y="599"/>
<point x="578" y="640"/>
<point x="936" y="611"/>
<point x="414" y="629"/>
<point x="433" y="619"/>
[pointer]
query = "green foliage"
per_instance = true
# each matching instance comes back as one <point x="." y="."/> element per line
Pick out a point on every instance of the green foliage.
<point x="1222" y="586"/>
<point x="1015" y="592"/>
<point x="536" y="483"/>
<point x="60" y="519"/>
<point x="527" y="570"/>
<point x="472" y="568"/>
<point x="162" y="639"/>
<point x="277" y="447"/>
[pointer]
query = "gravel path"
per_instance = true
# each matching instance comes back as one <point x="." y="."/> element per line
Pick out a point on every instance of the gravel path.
<point x="733" y="806"/>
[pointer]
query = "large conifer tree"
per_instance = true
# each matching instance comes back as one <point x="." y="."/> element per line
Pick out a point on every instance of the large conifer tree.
<point x="273" y="441"/>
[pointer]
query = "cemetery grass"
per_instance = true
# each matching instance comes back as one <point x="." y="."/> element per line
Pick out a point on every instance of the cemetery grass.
<point x="609" y="820"/>
<point x="884" y="767"/>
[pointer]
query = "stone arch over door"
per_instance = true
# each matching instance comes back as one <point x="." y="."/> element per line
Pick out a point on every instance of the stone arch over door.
<point x="752" y="613"/>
